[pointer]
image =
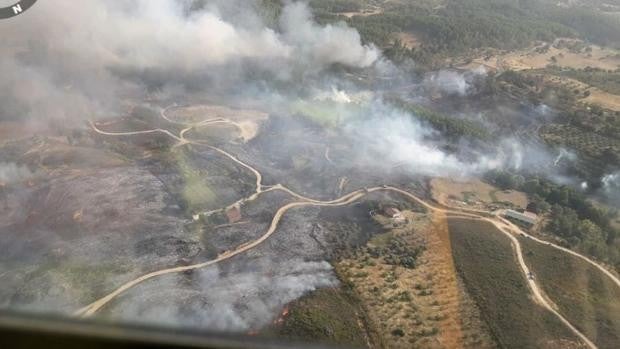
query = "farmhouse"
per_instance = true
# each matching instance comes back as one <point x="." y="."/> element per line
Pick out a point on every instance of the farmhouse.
<point x="395" y="214"/>
<point x="392" y="212"/>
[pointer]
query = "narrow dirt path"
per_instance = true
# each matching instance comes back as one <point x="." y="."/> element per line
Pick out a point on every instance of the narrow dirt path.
<point x="613" y="277"/>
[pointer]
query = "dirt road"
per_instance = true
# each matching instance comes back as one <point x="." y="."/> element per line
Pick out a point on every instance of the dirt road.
<point x="504" y="226"/>
<point x="613" y="277"/>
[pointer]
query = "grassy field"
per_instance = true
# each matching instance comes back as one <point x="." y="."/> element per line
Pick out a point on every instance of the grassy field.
<point x="485" y="260"/>
<point x="196" y="192"/>
<point x="474" y="192"/>
<point x="589" y="299"/>
<point x="216" y="134"/>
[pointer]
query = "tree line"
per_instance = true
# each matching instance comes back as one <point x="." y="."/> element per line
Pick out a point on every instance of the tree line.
<point x="571" y="216"/>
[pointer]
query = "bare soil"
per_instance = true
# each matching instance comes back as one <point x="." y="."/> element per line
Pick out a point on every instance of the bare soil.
<point x="473" y="193"/>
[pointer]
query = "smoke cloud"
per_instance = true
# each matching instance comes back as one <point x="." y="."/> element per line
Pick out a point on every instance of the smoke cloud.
<point x="611" y="186"/>
<point x="56" y="65"/>
<point x="11" y="172"/>
<point x="238" y="301"/>
<point x="452" y="82"/>
<point x="390" y="137"/>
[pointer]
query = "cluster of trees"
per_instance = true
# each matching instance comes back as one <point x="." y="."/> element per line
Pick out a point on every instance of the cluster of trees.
<point x="572" y="217"/>
<point x="468" y="24"/>
<point x="591" y="129"/>
<point x="460" y="25"/>
<point x="591" y="24"/>
<point x="547" y="193"/>
<point x="397" y="252"/>
<point x="336" y="6"/>
<point x="583" y="234"/>
<point x="606" y="80"/>
<point x="451" y="128"/>
<point x="596" y="119"/>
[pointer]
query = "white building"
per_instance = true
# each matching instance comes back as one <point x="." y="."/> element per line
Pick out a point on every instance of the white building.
<point x="395" y="214"/>
<point x="524" y="217"/>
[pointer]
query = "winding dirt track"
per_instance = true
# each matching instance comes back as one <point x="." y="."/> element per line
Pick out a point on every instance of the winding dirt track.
<point x="503" y="225"/>
<point x="613" y="277"/>
<point x="539" y="295"/>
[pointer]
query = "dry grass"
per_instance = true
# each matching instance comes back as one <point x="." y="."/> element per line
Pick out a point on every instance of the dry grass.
<point x="530" y="58"/>
<point x="473" y="193"/>
<point x="426" y="303"/>
<point x="563" y="57"/>
<point x="371" y="10"/>
<point x="597" y="96"/>
<point x="408" y="40"/>
<point x="247" y="121"/>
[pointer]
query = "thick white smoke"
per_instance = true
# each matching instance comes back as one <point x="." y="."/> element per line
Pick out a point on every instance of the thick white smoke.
<point x="68" y="59"/>
<point x="611" y="186"/>
<point x="453" y="82"/>
<point x="388" y="137"/>
<point x="11" y="172"/>
<point x="325" y="45"/>
<point x="239" y="301"/>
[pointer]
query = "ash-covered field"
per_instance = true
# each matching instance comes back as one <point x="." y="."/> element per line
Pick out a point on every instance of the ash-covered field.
<point x="73" y="233"/>
<point x="250" y="166"/>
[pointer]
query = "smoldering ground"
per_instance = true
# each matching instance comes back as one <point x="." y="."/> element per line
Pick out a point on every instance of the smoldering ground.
<point x="244" y="296"/>
<point x="72" y="61"/>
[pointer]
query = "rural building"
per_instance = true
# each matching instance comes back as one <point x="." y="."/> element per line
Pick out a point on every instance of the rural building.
<point x="233" y="214"/>
<point x="523" y="217"/>
<point x="394" y="213"/>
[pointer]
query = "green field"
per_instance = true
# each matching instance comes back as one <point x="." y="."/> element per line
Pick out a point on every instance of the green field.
<point x="196" y="192"/>
<point x="485" y="260"/>
<point x="588" y="298"/>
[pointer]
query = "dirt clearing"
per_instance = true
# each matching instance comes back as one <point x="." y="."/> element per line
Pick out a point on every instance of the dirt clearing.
<point x="473" y="193"/>
<point x="538" y="57"/>
<point x="246" y="120"/>
<point x="408" y="40"/>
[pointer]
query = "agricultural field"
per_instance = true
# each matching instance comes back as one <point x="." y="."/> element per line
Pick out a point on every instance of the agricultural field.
<point x="588" y="143"/>
<point x="561" y="53"/>
<point x="588" y="298"/>
<point x="586" y="94"/>
<point x="604" y="80"/>
<point x="484" y="258"/>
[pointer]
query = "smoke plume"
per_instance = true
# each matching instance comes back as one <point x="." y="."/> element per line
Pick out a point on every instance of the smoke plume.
<point x="67" y="59"/>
